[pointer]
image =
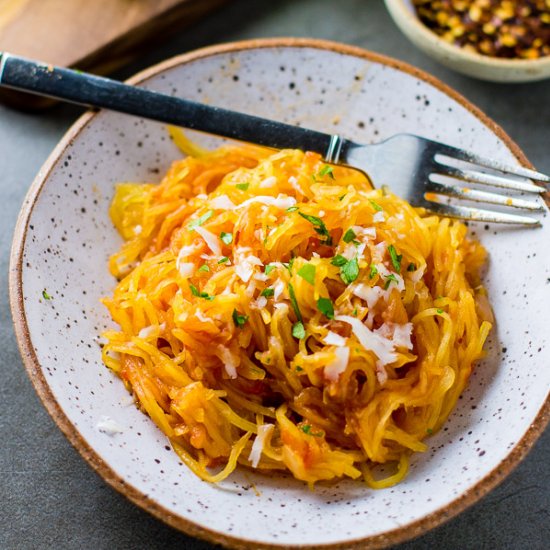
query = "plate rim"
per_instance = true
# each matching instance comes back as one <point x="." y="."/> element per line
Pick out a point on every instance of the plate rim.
<point x="30" y="360"/>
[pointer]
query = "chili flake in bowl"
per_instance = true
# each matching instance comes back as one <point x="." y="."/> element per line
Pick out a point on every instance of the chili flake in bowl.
<point x="496" y="40"/>
<point x="500" y="28"/>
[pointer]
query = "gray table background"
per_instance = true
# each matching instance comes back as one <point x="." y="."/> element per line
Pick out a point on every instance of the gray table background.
<point x="49" y="497"/>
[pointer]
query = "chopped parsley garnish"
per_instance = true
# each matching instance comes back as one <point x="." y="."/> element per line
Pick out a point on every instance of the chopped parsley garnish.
<point x="298" y="330"/>
<point x="429" y="431"/>
<point x="243" y="186"/>
<point x="411" y="267"/>
<point x="350" y="271"/>
<point x="292" y="209"/>
<point x="349" y="235"/>
<point x="269" y="268"/>
<point x="268" y="292"/>
<point x="389" y="278"/>
<point x="299" y="369"/>
<point x="226" y="238"/>
<point x="319" y="226"/>
<point x="342" y="197"/>
<point x="239" y="319"/>
<point x="373" y="271"/>
<point x="375" y="205"/>
<point x="338" y="260"/>
<point x="200" y="221"/>
<point x="223" y="260"/>
<point x="326" y="170"/>
<point x="355" y="312"/>
<point x="195" y="292"/>
<point x="294" y="302"/>
<point x="306" y="428"/>
<point x="307" y="272"/>
<point x="439" y="310"/>
<point x="395" y="258"/>
<point x="45" y="295"/>
<point x="204" y="268"/>
<point x="324" y="305"/>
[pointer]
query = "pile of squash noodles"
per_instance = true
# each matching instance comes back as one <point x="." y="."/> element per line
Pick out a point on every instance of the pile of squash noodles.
<point x="279" y="313"/>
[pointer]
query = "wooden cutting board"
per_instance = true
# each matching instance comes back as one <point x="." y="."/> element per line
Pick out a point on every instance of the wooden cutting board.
<point x="92" y="35"/>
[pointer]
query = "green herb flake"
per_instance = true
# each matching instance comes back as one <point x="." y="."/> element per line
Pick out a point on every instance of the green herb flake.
<point x="338" y="260"/>
<point x="268" y="292"/>
<point x="324" y="305"/>
<point x="342" y="197"/>
<point x="292" y="209"/>
<point x="195" y="292"/>
<point x="243" y="186"/>
<point x="373" y="271"/>
<point x="307" y="272"/>
<point x="306" y="428"/>
<point x="226" y="238"/>
<point x="327" y="170"/>
<point x="239" y="319"/>
<point x="411" y="267"/>
<point x="319" y="226"/>
<point x="429" y="431"/>
<point x="294" y="302"/>
<point x="298" y="330"/>
<point x="355" y="312"/>
<point x="204" y="268"/>
<point x="395" y="258"/>
<point x="299" y="369"/>
<point x="349" y="235"/>
<point x="45" y="295"/>
<point x="350" y="271"/>
<point x="223" y="260"/>
<point x="389" y="278"/>
<point x="375" y="205"/>
<point x="439" y="310"/>
<point x="200" y="221"/>
<point x="269" y="268"/>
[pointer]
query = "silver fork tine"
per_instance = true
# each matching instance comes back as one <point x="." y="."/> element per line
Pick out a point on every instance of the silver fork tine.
<point x="480" y="196"/>
<point x="478" y="215"/>
<point x="490" y="179"/>
<point x="460" y="154"/>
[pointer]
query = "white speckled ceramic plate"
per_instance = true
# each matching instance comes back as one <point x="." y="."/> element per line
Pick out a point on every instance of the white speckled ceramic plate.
<point x="64" y="237"/>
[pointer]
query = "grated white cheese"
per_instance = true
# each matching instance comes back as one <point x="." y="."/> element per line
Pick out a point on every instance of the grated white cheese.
<point x="230" y="364"/>
<point x="244" y="267"/>
<point x="278" y="288"/>
<point x="268" y="182"/>
<point x="333" y="339"/>
<point x="222" y="202"/>
<point x="336" y="367"/>
<point x="184" y="253"/>
<point x="371" y="295"/>
<point x="261" y="302"/>
<point x="186" y="269"/>
<point x="108" y="426"/>
<point x="281" y="201"/>
<point x="137" y="229"/>
<point x="382" y="347"/>
<point x="264" y="431"/>
<point x="210" y="239"/>
<point x="379" y="217"/>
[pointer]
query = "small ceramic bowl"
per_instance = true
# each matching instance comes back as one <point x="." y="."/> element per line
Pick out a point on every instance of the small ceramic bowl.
<point x="58" y="274"/>
<point x="463" y="61"/>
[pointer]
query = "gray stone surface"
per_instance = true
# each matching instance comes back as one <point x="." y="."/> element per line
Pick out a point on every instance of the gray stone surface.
<point x="49" y="498"/>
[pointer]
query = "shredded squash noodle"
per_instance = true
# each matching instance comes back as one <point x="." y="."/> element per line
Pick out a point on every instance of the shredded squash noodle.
<point x="279" y="313"/>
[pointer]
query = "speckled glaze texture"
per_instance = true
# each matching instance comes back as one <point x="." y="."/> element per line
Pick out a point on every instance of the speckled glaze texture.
<point x="65" y="237"/>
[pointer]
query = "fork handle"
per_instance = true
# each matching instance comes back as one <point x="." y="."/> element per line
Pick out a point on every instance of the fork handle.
<point x="95" y="91"/>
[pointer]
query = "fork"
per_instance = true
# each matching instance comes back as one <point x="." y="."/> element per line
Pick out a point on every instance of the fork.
<point x="409" y="165"/>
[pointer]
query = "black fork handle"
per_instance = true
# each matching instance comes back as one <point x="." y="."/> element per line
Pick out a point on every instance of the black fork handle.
<point x="95" y="91"/>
